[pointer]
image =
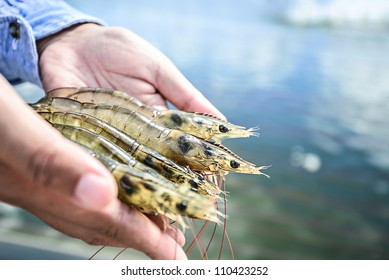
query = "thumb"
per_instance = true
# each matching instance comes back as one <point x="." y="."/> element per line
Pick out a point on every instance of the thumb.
<point x="37" y="152"/>
<point x="95" y="191"/>
<point x="64" y="167"/>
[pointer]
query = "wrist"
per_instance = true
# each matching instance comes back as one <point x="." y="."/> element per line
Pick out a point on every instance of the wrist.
<point x="64" y="34"/>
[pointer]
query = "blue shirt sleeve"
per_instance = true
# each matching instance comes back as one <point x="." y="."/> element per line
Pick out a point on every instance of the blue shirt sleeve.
<point x="24" y="22"/>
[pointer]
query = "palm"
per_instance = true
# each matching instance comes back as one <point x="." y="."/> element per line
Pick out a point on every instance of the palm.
<point x="117" y="58"/>
<point x="100" y="60"/>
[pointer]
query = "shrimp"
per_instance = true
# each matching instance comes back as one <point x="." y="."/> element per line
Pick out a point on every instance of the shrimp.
<point x="181" y="147"/>
<point x="104" y="147"/>
<point x="142" y="191"/>
<point x="119" y="146"/>
<point x="202" y="125"/>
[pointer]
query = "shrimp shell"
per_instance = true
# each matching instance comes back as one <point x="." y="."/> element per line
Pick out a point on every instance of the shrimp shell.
<point x="142" y="191"/>
<point x="183" y="148"/>
<point x="105" y="148"/>
<point x="202" y="125"/>
<point x="120" y="146"/>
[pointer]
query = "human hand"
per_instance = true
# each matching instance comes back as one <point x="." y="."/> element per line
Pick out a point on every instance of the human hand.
<point x="95" y="56"/>
<point x="56" y="180"/>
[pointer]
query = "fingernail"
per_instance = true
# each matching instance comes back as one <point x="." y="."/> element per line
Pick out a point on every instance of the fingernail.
<point x="177" y="235"/>
<point x="160" y="107"/>
<point x="93" y="191"/>
<point x="180" y="254"/>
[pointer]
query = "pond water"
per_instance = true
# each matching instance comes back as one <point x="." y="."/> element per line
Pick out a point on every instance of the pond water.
<point x="319" y="91"/>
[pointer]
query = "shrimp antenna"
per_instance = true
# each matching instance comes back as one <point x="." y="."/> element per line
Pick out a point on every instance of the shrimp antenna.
<point x="98" y="251"/>
<point x="118" y="254"/>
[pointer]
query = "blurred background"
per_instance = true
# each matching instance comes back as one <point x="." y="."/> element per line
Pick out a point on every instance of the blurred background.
<point x="313" y="75"/>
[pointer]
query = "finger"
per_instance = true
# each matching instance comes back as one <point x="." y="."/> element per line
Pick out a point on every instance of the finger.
<point x="178" y="90"/>
<point x="49" y="206"/>
<point x="174" y="252"/>
<point x="134" y="229"/>
<point x="156" y="243"/>
<point x="58" y="171"/>
<point x="164" y="224"/>
<point x="118" y="225"/>
<point x="33" y="148"/>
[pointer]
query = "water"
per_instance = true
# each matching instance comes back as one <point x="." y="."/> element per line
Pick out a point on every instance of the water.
<point x="319" y="92"/>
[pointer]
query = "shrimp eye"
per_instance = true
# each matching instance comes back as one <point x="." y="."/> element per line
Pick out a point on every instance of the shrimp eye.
<point x="234" y="164"/>
<point x="223" y="129"/>
<point x="181" y="206"/>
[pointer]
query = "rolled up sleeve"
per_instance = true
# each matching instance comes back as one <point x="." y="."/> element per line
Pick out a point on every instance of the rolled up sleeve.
<point x="24" y="22"/>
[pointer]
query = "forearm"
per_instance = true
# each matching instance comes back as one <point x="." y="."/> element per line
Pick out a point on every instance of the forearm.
<point x="22" y="24"/>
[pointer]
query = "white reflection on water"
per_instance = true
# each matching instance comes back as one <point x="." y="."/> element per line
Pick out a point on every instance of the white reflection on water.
<point x="338" y="12"/>
<point x="354" y="97"/>
<point x="311" y="162"/>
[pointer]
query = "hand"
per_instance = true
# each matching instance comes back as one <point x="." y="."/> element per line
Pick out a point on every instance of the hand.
<point x="57" y="181"/>
<point x="95" y="56"/>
